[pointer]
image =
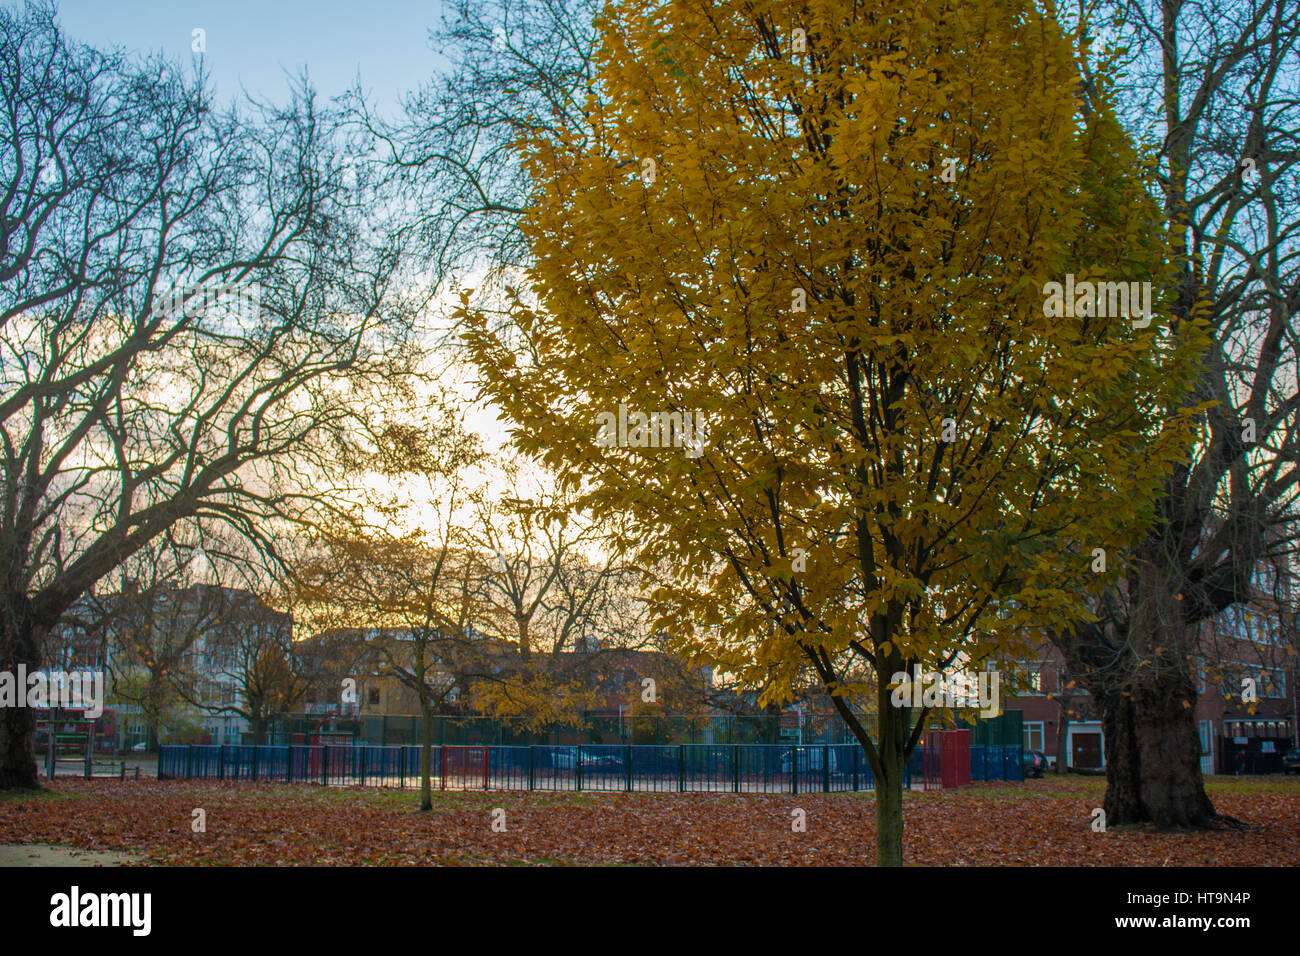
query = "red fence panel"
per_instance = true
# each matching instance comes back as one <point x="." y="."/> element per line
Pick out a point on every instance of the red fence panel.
<point x="464" y="768"/>
<point x="956" y="757"/>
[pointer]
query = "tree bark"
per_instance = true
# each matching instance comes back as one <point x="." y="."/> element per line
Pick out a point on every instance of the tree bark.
<point x="1063" y="728"/>
<point x="892" y="751"/>
<point x="1147" y="694"/>
<point x="20" y="642"/>
<point x="426" y="759"/>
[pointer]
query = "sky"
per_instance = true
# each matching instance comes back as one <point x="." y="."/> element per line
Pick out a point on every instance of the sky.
<point x="254" y="42"/>
<point x="260" y="46"/>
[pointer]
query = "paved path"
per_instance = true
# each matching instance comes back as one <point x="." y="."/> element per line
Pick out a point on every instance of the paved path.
<point x="45" y="854"/>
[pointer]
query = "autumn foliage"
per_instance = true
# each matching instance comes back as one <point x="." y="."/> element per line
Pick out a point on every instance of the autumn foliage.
<point x="907" y="459"/>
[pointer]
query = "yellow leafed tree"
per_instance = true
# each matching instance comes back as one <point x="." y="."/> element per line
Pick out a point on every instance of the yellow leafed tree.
<point x="787" y="318"/>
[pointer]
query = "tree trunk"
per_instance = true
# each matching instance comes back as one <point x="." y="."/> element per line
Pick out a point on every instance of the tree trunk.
<point x="1063" y="732"/>
<point x="1122" y="802"/>
<point x="1153" y="760"/>
<point x="772" y="725"/>
<point x="20" y="642"/>
<point x="891" y="749"/>
<point x="426" y="759"/>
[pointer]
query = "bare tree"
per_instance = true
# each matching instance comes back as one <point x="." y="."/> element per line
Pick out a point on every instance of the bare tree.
<point x="412" y="596"/>
<point x="247" y="658"/>
<point x="1215" y="91"/>
<point x="189" y="317"/>
<point x="519" y="67"/>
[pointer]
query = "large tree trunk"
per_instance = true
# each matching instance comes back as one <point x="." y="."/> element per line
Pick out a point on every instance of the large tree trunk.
<point x="20" y="641"/>
<point x="1147" y="696"/>
<point x="1172" y="789"/>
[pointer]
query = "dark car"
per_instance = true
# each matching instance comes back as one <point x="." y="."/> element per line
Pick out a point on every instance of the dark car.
<point x="1291" y="761"/>
<point x="601" y="763"/>
<point x="1035" y="763"/>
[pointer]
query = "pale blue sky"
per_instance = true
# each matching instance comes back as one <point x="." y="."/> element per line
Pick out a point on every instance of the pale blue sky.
<point x="254" y="42"/>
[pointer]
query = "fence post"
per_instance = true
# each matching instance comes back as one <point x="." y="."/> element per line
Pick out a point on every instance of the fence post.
<point x="794" y="769"/>
<point x="578" y="768"/>
<point x="288" y="765"/>
<point x="531" y="749"/>
<point x="681" y="768"/>
<point x="221" y="762"/>
<point x="627" y="765"/>
<point x="324" y="765"/>
<point x="442" y="767"/>
<point x="189" y="760"/>
<point x="735" y="768"/>
<point x="90" y="750"/>
<point x="826" y="768"/>
<point x="856" y="748"/>
<point x="485" y="767"/>
<point x="255" y="750"/>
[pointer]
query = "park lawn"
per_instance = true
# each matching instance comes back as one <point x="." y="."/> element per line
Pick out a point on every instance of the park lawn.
<point x="1039" y="822"/>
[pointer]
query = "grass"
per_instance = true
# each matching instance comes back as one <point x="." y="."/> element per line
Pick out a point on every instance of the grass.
<point x="35" y="796"/>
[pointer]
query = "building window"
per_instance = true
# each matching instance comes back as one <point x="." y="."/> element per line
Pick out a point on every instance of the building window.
<point x="1029" y="678"/>
<point x="373" y="696"/>
<point x="1034" y="735"/>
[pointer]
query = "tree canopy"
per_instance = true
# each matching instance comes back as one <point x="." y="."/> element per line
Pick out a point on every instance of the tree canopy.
<point x="826" y="232"/>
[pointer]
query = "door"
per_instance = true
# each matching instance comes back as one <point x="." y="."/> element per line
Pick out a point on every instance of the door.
<point x="1085" y="751"/>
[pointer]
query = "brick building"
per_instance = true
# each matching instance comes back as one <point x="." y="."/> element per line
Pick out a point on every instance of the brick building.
<point x="1248" y="647"/>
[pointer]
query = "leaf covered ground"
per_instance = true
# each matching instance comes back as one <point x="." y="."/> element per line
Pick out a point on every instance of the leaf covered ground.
<point x="1040" y="822"/>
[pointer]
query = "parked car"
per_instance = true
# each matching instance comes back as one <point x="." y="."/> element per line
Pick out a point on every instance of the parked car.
<point x="1035" y="763"/>
<point x="566" y="758"/>
<point x="1291" y="761"/>
<point x="601" y="763"/>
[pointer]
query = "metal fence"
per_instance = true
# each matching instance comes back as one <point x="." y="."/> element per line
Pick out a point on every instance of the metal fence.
<point x="713" y="768"/>
<point x="638" y="729"/>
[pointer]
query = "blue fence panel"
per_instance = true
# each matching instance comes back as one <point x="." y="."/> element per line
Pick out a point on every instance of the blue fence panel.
<point x="508" y="768"/>
<point x="204" y="761"/>
<point x="761" y="769"/>
<point x="915" y="769"/>
<point x="654" y="767"/>
<point x="171" y="761"/>
<point x="844" y="758"/>
<point x="711" y="768"/>
<point x="555" y="767"/>
<point x="708" y="767"/>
